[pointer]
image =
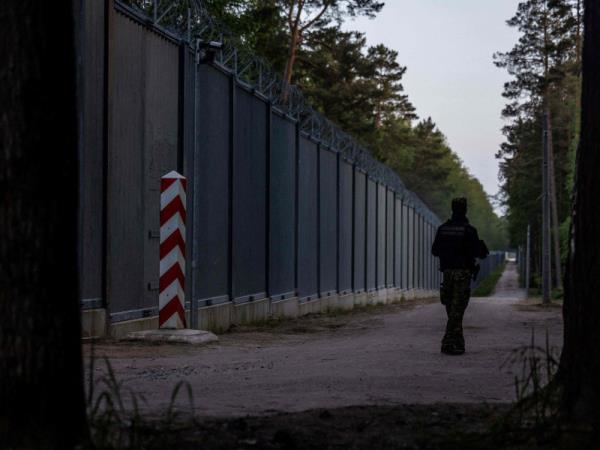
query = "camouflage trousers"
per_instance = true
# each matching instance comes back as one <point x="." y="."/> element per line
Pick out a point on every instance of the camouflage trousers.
<point x="454" y="294"/>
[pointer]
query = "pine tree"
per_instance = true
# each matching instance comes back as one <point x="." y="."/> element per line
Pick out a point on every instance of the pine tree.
<point x="541" y="64"/>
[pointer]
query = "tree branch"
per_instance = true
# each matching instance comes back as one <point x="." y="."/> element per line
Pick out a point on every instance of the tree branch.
<point x="326" y="6"/>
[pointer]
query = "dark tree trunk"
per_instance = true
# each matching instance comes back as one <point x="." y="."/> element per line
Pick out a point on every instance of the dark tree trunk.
<point x="41" y="383"/>
<point x="580" y="362"/>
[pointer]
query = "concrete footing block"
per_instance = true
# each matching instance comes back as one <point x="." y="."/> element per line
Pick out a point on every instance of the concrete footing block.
<point x="186" y="336"/>
<point x="328" y="303"/>
<point x="382" y="296"/>
<point x="360" y="299"/>
<point x="120" y="330"/>
<point x="346" y="302"/>
<point x="93" y="323"/>
<point x="285" y="308"/>
<point x="250" y="312"/>
<point x="309" y="307"/>
<point x="215" y="318"/>
<point x="395" y="295"/>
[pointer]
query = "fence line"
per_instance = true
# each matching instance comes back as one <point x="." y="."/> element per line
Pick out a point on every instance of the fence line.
<point x="282" y="204"/>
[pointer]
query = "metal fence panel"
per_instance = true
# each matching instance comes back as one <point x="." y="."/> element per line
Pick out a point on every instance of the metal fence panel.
<point x="282" y="197"/>
<point x="360" y="231"/>
<point x="142" y="147"/>
<point x="389" y="241"/>
<point x="405" y="248"/>
<point x="371" y="269"/>
<point x="249" y="197"/>
<point x="381" y="235"/>
<point x="91" y="156"/>
<point x="307" y="219"/>
<point x="187" y="144"/>
<point x="398" y="242"/>
<point x="418" y="250"/>
<point x="345" y="200"/>
<point x="328" y="183"/>
<point x="411" y="248"/>
<point x="211" y="187"/>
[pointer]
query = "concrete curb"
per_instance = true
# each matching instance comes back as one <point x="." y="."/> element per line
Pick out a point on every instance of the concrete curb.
<point x="192" y="337"/>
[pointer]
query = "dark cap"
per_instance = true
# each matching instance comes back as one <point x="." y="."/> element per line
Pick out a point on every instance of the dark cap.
<point x="459" y="205"/>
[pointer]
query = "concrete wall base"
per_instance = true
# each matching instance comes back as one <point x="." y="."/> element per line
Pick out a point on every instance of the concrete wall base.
<point x="93" y="323"/>
<point x="361" y="299"/>
<point x="329" y="303"/>
<point x="215" y="318"/>
<point x="395" y="295"/>
<point x="250" y="311"/>
<point x="346" y="302"/>
<point x="381" y="297"/>
<point x="285" y="308"/>
<point x="219" y="318"/>
<point x="310" y="307"/>
<point x="121" y="329"/>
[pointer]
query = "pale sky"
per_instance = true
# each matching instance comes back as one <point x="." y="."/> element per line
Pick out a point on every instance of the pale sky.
<point x="447" y="47"/>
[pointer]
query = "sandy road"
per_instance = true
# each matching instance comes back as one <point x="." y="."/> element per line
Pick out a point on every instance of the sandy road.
<point x="390" y="356"/>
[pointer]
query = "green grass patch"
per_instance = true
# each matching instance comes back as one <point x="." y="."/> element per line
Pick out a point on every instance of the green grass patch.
<point x="488" y="284"/>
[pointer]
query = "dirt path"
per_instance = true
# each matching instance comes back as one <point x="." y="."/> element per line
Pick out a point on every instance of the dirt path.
<point x="388" y="356"/>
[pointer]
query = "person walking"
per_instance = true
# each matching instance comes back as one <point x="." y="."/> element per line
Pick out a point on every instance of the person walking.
<point x="457" y="244"/>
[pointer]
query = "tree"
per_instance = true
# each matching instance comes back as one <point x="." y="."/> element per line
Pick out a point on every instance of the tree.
<point x="542" y="64"/>
<point x="41" y="389"/>
<point x="301" y="15"/>
<point x="580" y="360"/>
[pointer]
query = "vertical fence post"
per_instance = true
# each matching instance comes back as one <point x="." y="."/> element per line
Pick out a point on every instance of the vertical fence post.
<point x="171" y="298"/>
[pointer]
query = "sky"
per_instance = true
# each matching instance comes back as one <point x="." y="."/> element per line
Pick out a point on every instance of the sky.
<point x="447" y="47"/>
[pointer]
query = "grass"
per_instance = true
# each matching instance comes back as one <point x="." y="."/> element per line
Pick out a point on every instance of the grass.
<point x="114" y="414"/>
<point x="487" y="285"/>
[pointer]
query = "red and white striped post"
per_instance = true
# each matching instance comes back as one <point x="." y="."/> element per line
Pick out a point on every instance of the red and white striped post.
<point x="171" y="297"/>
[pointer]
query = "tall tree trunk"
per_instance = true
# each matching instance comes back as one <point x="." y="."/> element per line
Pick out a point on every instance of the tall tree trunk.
<point x="41" y="382"/>
<point x="580" y="361"/>
<point x="553" y="204"/>
<point x="289" y="66"/>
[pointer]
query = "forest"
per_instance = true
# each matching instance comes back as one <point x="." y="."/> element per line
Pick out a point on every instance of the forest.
<point x="542" y="94"/>
<point x="359" y="88"/>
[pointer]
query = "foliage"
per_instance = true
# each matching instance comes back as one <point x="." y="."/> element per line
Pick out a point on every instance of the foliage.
<point x="544" y="66"/>
<point x="487" y="285"/>
<point x="114" y="413"/>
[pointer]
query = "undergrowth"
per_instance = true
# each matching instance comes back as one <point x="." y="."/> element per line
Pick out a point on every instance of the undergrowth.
<point x="487" y="285"/>
<point x="535" y="420"/>
<point x="114" y="414"/>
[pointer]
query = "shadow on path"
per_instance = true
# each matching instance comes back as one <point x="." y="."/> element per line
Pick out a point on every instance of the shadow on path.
<point x="387" y="357"/>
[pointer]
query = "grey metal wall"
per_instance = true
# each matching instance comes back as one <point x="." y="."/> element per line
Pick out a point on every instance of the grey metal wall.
<point x="371" y="259"/>
<point x="143" y="144"/>
<point x="360" y="231"/>
<point x="398" y="232"/>
<point x="308" y="166"/>
<point x="211" y="246"/>
<point x="91" y="60"/>
<point x="282" y="219"/>
<point x="272" y="211"/>
<point x="345" y="226"/>
<point x="389" y="238"/>
<point x="328" y="214"/>
<point x="249" y="196"/>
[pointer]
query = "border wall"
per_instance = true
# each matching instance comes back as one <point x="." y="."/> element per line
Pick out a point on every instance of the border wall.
<point x="284" y="218"/>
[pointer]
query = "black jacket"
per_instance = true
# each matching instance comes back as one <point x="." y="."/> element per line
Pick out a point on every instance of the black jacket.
<point x="457" y="244"/>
